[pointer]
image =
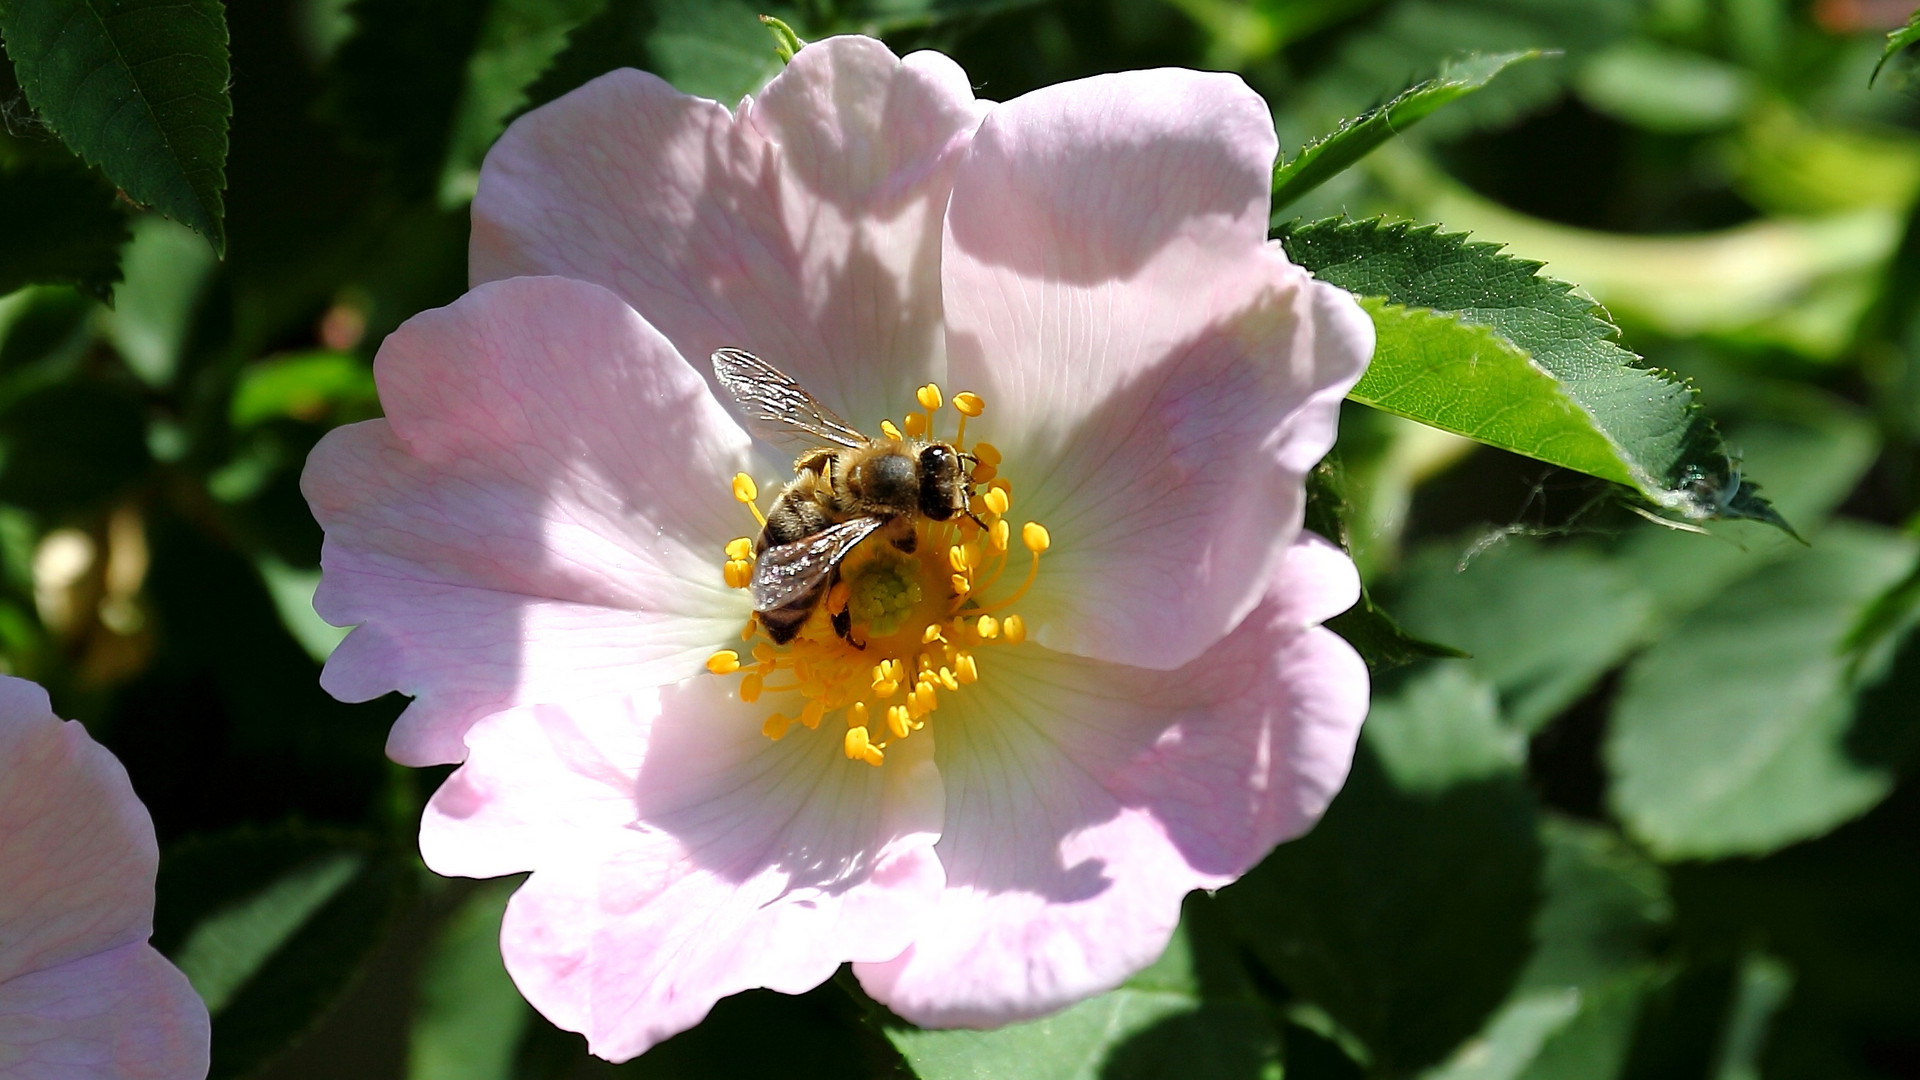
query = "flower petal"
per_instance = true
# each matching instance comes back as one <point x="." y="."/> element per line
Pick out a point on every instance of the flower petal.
<point x="805" y="229"/>
<point x="124" y="1014"/>
<point x="541" y="516"/>
<point x="77" y="846"/>
<point x="1157" y="374"/>
<point x="680" y="856"/>
<point x="1085" y="799"/>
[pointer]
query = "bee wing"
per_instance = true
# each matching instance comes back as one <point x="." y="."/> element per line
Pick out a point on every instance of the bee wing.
<point x="794" y="573"/>
<point x="777" y="408"/>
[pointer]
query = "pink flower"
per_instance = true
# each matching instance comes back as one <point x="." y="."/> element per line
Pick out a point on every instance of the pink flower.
<point x="82" y="994"/>
<point x="538" y="543"/>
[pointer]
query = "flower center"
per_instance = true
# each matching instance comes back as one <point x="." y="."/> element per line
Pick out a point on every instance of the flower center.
<point x="899" y="628"/>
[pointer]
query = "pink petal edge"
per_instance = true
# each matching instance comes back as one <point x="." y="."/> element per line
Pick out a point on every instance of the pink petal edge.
<point x="1084" y="800"/>
<point x="540" y="517"/>
<point x="1157" y="374"/>
<point x="679" y="856"/>
<point x="805" y="229"/>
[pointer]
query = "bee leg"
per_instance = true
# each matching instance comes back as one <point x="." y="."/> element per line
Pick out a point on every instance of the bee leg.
<point x="907" y="542"/>
<point x="843" y="626"/>
<point x="783" y="624"/>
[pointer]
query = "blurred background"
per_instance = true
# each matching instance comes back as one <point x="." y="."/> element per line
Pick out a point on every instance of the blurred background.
<point x="1662" y="823"/>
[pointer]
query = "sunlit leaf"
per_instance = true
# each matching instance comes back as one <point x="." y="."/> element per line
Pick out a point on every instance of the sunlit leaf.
<point x="302" y="386"/>
<point x="136" y="87"/>
<point x="1522" y="362"/>
<point x="1324" y="158"/>
<point x="1738" y="733"/>
<point x="469" y="1020"/>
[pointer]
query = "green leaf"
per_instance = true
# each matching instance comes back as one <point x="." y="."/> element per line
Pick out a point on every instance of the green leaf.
<point x="1665" y="89"/>
<point x="60" y="227"/>
<point x="1189" y="1015"/>
<point x="1899" y="42"/>
<point x="271" y="926"/>
<point x="469" y="1019"/>
<point x="1366" y="626"/>
<point x="71" y="445"/>
<point x="1326" y="157"/>
<point x="311" y="386"/>
<point x="1737" y="734"/>
<point x="138" y="88"/>
<point x="711" y="48"/>
<point x="1522" y="362"/>
<point x="1404" y="914"/>
<point x="167" y="271"/>
<point x="785" y="42"/>
<point x="1543" y="624"/>
<point x="518" y="41"/>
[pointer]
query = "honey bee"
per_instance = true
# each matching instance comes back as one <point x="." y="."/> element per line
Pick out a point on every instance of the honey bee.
<point x="842" y="492"/>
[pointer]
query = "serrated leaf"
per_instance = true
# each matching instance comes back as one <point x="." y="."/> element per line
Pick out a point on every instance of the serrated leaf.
<point x="61" y="227"/>
<point x="271" y="926"/>
<point x="138" y="88"/>
<point x="1740" y="732"/>
<point x="1326" y="157"/>
<point x="1546" y="379"/>
<point x="1404" y="914"/>
<point x="1898" y="42"/>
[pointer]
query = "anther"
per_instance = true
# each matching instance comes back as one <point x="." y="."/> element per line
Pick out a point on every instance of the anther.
<point x="986" y="452"/>
<point x="957" y="558"/>
<point x="740" y="547"/>
<point x="750" y="688"/>
<point x="857" y="742"/>
<point x="888" y="429"/>
<point x="915" y="425"/>
<point x="969" y="404"/>
<point x="811" y="714"/>
<point x="988" y="627"/>
<point x="966" y="669"/>
<point x="928" y="396"/>
<point x="857" y="715"/>
<point x="897" y="718"/>
<point x="724" y="662"/>
<point x="763" y="652"/>
<point x="948" y="679"/>
<point x="744" y="488"/>
<point x="1034" y="535"/>
<point x="1000" y="535"/>
<point x="931" y="634"/>
<point x="738" y="573"/>
<point x="1015" y="628"/>
<point x="997" y="500"/>
<point x="885" y="688"/>
<point x="775" y="726"/>
<point x="960" y="585"/>
<point x="983" y="473"/>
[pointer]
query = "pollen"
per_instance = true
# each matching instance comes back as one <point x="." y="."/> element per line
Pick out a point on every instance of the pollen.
<point x="896" y="639"/>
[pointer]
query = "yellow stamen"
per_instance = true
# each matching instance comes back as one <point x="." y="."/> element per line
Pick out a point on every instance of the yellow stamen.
<point x="948" y="680"/>
<point x="988" y="627"/>
<point x="915" y="425"/>
<point x="1015" y="628"/>
<point x="885" y="688"/>
<point x="857" y="715"/>
<point x="724" y="662"/>
<point x="811" y="714"/>
<point x="897" y="717"/>
<point x="775" y="726"/>
<point x="891" y="432"/>
<point x="983" y="473"/>
<point x="969" y="404"/>
<point x="751" y="687"/>
<point x="738" y="573"/>
<point x="931" y="634"/>
<point x="996" y="500"/>
<point x="856" y="742"/>
<point x="745" y="491"/>
<point x="872" y="756"/>
<point x="966" y="669"/>
<point x="928" y="396"/>
<point x="740" y="547"/>
<point x="999" y="535"/>
<point x="960" y="585"/>
<point x="1035" y="536"/>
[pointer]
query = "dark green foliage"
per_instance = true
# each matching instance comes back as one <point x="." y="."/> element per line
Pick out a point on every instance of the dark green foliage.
<point x="136" y="87"/>
<point x="72" y="235"/>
